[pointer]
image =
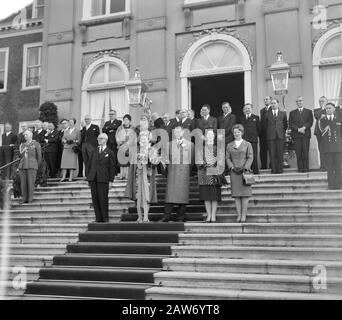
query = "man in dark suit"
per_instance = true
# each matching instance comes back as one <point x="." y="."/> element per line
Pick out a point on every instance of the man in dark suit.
<point x="51" y="150"/>
<point x="226" y="122"/>
<point x="101" y="171"/>
<point x="300" y="123"/>
<point x="110" y="128"/>
<point x="264" y="152"/>
<point x="89" y="135"/>
<point x="167" y="124"/>
<point x="276" y="134"/>
<point x="318" y="113"/>
<point x="39" y="133"/>
<point x="9" y="140"/>
<point x="251" y="123"/>
<point x="330" y="126"/>
<point x="191" y="116"/>
<point x="206" y="121"/>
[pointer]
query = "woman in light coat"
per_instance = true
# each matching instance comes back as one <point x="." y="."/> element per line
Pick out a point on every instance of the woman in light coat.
<point x="70" y="140"/>
<point x="28" y="166"/>
<point x="239" y="160"/>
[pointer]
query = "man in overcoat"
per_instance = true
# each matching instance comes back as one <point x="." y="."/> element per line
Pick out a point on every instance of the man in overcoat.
<point x="179" y="161"/>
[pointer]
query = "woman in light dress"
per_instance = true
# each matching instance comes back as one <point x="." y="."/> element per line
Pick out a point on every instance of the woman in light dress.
<point x="70" y="140"/>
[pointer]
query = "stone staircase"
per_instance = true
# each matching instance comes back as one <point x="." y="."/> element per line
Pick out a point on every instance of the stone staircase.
<point x="41" y="230"/>
<point x="293" y="233"/>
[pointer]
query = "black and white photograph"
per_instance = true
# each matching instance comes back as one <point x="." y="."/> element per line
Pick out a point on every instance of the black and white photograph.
<point x="178" y="152"/>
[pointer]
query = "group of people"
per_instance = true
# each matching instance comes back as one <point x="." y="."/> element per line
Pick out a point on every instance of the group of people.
<point x="207" y="147"/>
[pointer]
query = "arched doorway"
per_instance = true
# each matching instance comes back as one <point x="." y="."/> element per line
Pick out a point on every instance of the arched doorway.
<point x="327" y="66"/>
<point x="104" y="89"/>
<point x="216" y="68"/>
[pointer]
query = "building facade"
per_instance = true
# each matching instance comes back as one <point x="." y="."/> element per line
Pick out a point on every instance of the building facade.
<point x="21" y="36"/>
<point x="189" y="52"/>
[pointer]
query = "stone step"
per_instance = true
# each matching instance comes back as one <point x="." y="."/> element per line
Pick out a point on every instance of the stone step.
<point x="264" y="228"/>
<point x="47" y="228"/>
<point x="77" y="203"/>
<point x="130" y="236"/>
<point x="97" y="274"/>
<point x="180" y="293"/>
<point x="284" y="218"/>
<point x="73" y="211"/>
<point x="264" y="240"/>
<point x="286" y="207"/>
<point x="119" y="248"/>
<point x="31" y="274"/>
<point x="255" y="252"/>
<point x="33" y="261"/>
<point x="37" y="249"/>
<point x="88" y="289"/>
<point x="273" y="267"/>
<point x="321" y="190"/>
<point x="39" y="238"/>
<point x="110" y="261"/>
<point x="253" y="282"/>
<point x="47" y="220"/>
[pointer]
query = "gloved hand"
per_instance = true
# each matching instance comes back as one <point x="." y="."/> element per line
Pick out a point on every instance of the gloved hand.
<point x="237" y="170"/>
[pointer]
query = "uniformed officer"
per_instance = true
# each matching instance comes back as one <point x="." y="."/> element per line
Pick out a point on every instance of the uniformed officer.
<point x="330" y="125"/>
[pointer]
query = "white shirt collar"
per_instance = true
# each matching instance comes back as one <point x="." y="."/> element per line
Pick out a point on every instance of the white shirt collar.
<point x="8" y="133"/>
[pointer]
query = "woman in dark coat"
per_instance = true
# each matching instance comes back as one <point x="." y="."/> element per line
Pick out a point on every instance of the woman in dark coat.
<point x="210" y="188"/>
<point x="239" y="160"/>
<point x="28" y="166"/>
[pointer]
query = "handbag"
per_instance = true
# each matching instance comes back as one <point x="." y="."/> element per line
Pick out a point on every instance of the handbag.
<point x="248" y="179"/>
<point x="220" y="180"/>
<point x="76" y="149"/>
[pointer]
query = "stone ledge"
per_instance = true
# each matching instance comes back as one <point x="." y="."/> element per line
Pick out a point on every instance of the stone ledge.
<point x="151" y="24"/>
<point x="276" y="6"/>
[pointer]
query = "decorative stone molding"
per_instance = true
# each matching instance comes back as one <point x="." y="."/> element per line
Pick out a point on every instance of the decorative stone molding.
<point x="110" y="53"/>
<point x="61" y="38"/>
<point x="151" y="24"/>
<point x="231" y="32"/>
<point x="330" y="61"/>
<point x="124" y="18"/>
<point x="190" y="10"/>
<point x="156" y="85"/>
<point x="276" y="6"/>
<point x="208" y="3"/>
<point x="332" y="24"/>
<point x="29" y="25"/>
<point x="59" y="95"/>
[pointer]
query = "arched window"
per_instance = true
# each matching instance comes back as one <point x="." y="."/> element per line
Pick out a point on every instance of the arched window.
<point x="327" y="64"/>
<point x="104" y="89"/>
<point x="215" y="54"/>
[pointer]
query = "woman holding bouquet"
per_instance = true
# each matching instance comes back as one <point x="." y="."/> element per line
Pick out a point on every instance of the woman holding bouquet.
<point x="70" y="140"/>
<point x="141" y="186"/>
